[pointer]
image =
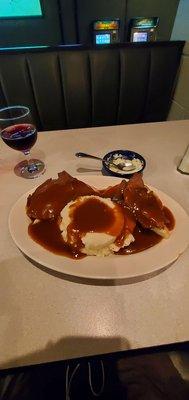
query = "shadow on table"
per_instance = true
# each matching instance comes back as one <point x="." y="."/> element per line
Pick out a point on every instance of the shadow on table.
<point x="83" y="170"/>
<point x="64" y="348"/>
<point x="147" y="376"/>
<point x="69" y="379"/>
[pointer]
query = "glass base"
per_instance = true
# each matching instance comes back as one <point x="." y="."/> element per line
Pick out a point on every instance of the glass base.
<point x="30" y="170"/>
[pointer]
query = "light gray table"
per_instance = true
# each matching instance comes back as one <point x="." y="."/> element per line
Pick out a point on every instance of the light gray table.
<point x="44" y="318"/>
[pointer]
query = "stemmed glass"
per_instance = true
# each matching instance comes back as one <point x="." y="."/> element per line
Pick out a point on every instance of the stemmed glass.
<point x="20" y="134"/>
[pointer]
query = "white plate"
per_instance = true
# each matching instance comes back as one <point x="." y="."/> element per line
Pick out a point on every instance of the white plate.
<point x="112" y="267"/>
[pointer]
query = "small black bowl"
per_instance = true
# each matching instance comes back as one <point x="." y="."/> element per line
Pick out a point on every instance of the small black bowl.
<point x="129" y="155"/>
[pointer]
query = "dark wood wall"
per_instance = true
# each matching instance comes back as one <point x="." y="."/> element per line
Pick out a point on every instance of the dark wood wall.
<point x="68" y="21"/>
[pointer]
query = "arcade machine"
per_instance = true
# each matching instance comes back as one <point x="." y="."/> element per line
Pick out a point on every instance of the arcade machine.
<point x="143" y="29"/>
<point x="106" y="31"/>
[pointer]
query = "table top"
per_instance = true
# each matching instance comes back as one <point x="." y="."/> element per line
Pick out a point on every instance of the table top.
<point x="45" y="318"/>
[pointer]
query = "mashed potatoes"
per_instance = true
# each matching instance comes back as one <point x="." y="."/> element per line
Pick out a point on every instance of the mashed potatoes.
<point x="94" y="223"/>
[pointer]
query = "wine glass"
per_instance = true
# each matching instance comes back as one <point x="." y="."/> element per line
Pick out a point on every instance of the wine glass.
<point x="20" y="134"/>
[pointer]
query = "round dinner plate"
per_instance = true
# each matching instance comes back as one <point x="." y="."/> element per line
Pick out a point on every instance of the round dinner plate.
<point x="134" y="266"/>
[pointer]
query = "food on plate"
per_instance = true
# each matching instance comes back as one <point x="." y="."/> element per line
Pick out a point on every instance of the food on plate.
<point x="68" y="217"/>
<point x="146" y="206"/>
<point x="49" y="199"/>
<point x="95" y="225"/>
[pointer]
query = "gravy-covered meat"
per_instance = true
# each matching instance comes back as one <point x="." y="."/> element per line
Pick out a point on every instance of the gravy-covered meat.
<point x="116" y="192"/>
<point x="51" y="197"/>
<point x="144" y="204"/>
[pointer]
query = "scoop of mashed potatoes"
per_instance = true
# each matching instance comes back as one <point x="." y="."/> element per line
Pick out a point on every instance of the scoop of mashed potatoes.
<point x="94" y="224"/>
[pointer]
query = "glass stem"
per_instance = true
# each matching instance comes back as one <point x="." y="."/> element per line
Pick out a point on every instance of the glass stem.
<point x="27" y="154"/>
<point x="31" y="167"/>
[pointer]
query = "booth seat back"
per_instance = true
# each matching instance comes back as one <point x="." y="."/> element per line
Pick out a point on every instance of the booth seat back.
<point x="72" y="87"/>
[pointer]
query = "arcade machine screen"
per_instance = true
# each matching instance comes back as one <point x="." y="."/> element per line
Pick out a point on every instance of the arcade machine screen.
<point x="106" y="32"/>
<point x="103" y="38"/>
<point x="143" y="29"/>
<point x="140" y="37"/>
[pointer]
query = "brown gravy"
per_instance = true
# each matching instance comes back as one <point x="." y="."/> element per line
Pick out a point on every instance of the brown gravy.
<point x="92" y="215"/>
<point x="48" y="235"/>
<point x="169" y="218"/>
<point x="144" y="239"/>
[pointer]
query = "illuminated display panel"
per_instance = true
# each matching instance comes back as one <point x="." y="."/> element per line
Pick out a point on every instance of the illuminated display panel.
<point x="140" y="37"/>
<point x="145" y="22"/>
<point x="105" y="25"/>
<point x="103" y="38"/>
<point x="20" y="8"/>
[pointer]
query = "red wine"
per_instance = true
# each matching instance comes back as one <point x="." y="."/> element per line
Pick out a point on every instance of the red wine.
<point x="20" y="137"/>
